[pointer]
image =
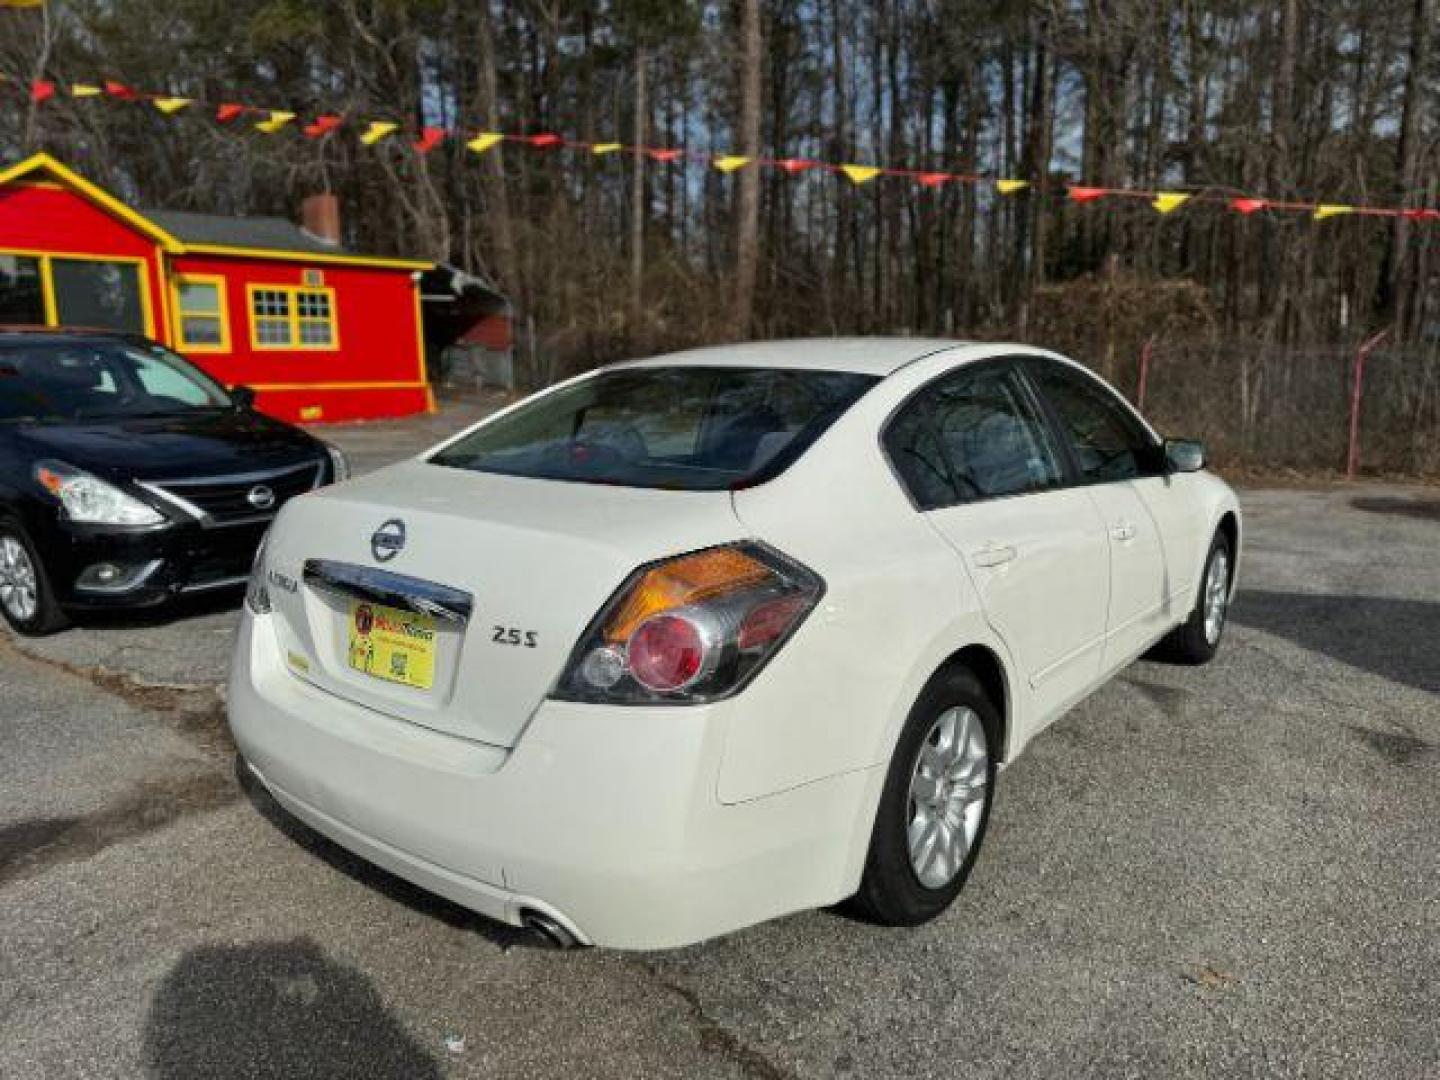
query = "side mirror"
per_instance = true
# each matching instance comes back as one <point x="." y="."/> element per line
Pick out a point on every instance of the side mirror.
<point x="243" y="398"/>
<point x="1184" y="455"/>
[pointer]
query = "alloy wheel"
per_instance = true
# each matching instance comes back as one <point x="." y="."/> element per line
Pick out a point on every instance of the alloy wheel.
<point x="948" y="788"/>
<point x="1217" y="596"/>
<point x="19" y="589"/>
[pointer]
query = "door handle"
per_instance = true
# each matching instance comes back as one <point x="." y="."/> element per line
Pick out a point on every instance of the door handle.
<point x="1122" y="530"/>
<point x="993" y="555"/>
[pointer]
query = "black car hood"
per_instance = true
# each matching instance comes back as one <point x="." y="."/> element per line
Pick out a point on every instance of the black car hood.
<point x="181" y="445"/>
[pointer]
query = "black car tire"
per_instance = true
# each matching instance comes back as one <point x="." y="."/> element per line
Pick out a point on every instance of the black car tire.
<point x="1188" y="643"/>
<point x="891" y="893"/>
<point x="48" y="616"/>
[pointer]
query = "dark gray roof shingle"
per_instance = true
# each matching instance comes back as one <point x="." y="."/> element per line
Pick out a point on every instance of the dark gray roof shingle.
<point x="272" y="233"/>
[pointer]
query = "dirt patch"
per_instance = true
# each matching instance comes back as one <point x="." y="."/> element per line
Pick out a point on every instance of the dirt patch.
<point x="1424" y="509"/>
<point x="31" y="847"/>
<point x="1396" y="747"/>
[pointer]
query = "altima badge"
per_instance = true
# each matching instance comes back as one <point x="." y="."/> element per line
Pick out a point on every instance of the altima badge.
<point x="388" y="540"/>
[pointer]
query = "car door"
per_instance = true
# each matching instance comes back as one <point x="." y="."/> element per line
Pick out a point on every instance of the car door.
<point x="980" y="462"/>
<point x="1117" y="459"/>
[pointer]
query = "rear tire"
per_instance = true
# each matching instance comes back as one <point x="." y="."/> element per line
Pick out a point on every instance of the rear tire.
<point x="935" y="806"/>
<point x="1197" y="639"/>
<point x="26" y="599"/>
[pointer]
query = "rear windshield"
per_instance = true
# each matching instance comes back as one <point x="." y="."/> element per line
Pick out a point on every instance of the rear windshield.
<point x="80" y="380"/>
<point x="681" y="428"/>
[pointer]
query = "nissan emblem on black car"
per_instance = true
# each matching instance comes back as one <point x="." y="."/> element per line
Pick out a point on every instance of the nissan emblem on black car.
<point x="388" y="540"/>
<point x="261" y="497"/>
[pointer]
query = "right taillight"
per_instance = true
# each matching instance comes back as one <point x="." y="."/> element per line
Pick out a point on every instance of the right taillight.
<point x="691" y="629"/>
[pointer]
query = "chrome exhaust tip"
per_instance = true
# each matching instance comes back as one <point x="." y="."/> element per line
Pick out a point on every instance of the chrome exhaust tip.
<point x="549" y="930"/>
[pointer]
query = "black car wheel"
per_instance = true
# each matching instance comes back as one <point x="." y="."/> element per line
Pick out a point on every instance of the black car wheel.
<point x="26" y="598"/>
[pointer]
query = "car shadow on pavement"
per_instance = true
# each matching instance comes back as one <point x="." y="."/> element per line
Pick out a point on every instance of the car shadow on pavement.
<point x="368" y="874"/>
<point x="173" y="611"/>
<point x="1394" y="639"/>
<point x="274" y="1009"/>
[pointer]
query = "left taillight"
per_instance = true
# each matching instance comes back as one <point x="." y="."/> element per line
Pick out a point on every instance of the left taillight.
<point x="691" y="629"/>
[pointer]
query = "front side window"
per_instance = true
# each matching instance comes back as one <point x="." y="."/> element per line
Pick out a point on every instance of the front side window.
<point x="200" y="314"/>
<point x="283" y="317"/>
<point x="971" y="435"/>
<point x="680" y="428"/>
<point x="1107" y="441"/>
<point x="70" y="381"/>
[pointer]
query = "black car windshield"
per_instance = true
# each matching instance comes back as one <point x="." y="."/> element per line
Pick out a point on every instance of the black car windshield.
<point x="680" y="428"/>
<point x="81" y="380"/>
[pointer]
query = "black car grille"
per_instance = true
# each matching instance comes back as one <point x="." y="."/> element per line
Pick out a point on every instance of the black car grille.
<point x="229" y="500"/>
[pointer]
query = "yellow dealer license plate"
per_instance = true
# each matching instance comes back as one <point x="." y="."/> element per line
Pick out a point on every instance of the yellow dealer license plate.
<point x="391" y="644"/>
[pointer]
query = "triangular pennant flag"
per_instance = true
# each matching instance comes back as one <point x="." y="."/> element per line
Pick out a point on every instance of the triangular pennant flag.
<point x="83" y="90"/>
<point x="1247" y="206"/>
<point x="120" y="90"/>
<point x="933" y="179"/>
<point x="228" y="111"/>
<point x="606" y="148"/>
<point x="728" y="163"/>
<point x="1010" y="187"/>
<point x="544" y="140"/>
<point x="168" y="105"/>
<point x="377" y="130"/>
<point x="430" y="137"/>
<point x="665" y="155"/>
<point x="323" y="125"/>
<point x="1167" y="202"/>
<point x="1086" y="194"/>
<point x="485" y="140"/>
<point x="795" y="165"/>
<point x="860" y="174"/>
<point x="41" y="90"/>
<point x="278" y="119"/>
<point x="1421" y="215"/>
<point x="1329" y="210"/>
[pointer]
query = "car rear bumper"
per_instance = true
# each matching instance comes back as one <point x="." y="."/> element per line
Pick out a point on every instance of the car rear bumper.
<point x="605" y="818"/>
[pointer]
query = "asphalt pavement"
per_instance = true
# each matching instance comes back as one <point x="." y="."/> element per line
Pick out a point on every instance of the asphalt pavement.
<point x="1226" y="871"/>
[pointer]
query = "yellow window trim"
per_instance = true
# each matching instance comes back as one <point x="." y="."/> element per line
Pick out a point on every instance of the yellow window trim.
<point x="294" y="318"/>
<point x="47" y="281"/>
<point x="222" y="313"/>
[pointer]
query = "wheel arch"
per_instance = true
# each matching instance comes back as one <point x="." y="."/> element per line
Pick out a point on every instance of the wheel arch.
<point x="986" y="665"/>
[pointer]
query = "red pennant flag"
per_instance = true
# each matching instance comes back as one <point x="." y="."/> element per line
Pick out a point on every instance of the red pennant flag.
<point x="121" y="91"/>
<point x="323" y="125"/>
<point x="932" y="179"/>
<point x="544" y="140"/>
<point x="1247" y="206"/>
<point x="1422" y="215"/>
<point x="227" y="112"/>
<point x="1087" y="194"/>
<point x="795" y="165"/>
<point x="665" y="155"/>
<point x="430" y="138"/>
<point x="41" y="90"/>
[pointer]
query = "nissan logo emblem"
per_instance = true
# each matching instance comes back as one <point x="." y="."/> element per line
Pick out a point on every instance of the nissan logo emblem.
<point x="260" y="497"/>
<point x="388" y="540"/>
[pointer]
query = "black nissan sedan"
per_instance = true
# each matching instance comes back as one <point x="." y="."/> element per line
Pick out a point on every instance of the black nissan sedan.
<point x="128" y="477"/>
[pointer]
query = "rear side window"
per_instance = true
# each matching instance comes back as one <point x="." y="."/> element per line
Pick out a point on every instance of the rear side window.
<point x="1105" y="438"/>
<point x="681" y="428"/>
<point x="971" y="435"/>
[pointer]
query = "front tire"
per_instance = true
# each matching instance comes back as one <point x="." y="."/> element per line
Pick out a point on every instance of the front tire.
<point x="1197" y="639"/>
<point x="26" y="598"/>
<point x="936" y="803"/>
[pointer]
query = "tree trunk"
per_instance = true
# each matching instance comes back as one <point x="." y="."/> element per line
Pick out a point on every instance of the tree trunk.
<point x="747" y="210"/>
<point x="637" y="193"/>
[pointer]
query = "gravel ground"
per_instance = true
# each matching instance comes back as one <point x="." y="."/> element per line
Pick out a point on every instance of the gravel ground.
<point x="1226" y="871"/>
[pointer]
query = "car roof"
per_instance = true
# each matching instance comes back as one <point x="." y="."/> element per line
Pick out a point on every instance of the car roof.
<point x="54" y="335"/>
<point x="879" y="356"/>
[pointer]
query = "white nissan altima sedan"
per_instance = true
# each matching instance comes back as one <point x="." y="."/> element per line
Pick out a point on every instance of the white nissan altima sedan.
<point x="691" y="642"/>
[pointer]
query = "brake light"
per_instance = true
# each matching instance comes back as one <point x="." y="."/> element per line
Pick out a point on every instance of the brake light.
<point x="691" y="629"/>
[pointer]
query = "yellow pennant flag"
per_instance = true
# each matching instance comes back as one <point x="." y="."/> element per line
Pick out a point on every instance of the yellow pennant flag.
<point x="730" y="162"/>
<point x="1009" y="187"/>
<point x="377" y="130"/>
<point x="85" y="90"/>
<point x="1166" y="202"/>
<point x="22" y="3"/>
<point x="1329" y="210"/>
<point x="169" y="105"/>
<point x="484" y="141"/>
<point x="606" y="148"/>
<point x="860" y="174"/>
<point x="278" y="119"/>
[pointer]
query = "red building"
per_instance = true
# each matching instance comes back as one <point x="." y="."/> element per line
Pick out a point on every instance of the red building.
<point x="318" y="332"/>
